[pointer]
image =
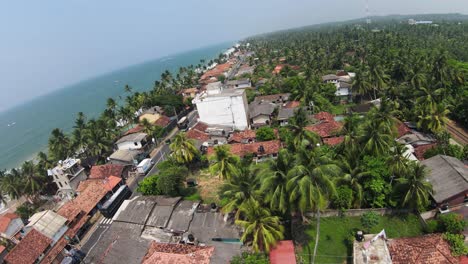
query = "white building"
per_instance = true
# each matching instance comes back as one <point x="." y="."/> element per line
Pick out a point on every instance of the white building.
<point x="219" y="106"/>
<point x="134" y="141"/>
<point x="67" y="175"/>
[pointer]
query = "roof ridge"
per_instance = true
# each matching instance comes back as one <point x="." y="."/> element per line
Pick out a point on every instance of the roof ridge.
<point x="444" y="157"/>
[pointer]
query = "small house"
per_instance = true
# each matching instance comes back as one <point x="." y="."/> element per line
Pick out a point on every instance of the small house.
<point x="136" y="141"/>
<point x="261" y="113"/>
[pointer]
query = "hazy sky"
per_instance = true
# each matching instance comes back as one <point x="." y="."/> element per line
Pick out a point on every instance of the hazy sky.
<point x="45" y="45"/>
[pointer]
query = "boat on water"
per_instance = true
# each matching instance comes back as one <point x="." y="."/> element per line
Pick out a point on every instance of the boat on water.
<point x="11" y="124"/>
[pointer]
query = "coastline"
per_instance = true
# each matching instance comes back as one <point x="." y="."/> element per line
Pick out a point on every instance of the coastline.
<point x="36" y="118"/>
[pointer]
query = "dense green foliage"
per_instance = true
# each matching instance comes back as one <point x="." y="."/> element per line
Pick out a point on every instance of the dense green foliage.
<point x="250" y="258"/>
<point x="457" y="244"/>
<point x="369" y="220"/>
<point x="265" y="133"/>
<point x="169" y="180"/>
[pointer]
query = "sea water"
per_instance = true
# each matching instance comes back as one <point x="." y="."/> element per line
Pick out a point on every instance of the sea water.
<point x="25" y="129"/>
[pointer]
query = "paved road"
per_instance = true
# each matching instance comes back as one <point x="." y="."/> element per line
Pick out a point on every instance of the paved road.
<point x="102" y="227"/>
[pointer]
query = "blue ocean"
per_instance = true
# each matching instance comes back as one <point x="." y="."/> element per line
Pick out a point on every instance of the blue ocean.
<point x="25" y="129"/>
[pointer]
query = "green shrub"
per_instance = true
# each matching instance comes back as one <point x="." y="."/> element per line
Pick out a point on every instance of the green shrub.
<point x="457" y="244"/>
<point x="343" y="198"/>
<point x="431" y="226"/>
<point x="369" y="220"/>
<point x="250" y="258"/>
<point x="149" y="186"/>
<point x="265" y="133"/>
<point x="451" y="223"/>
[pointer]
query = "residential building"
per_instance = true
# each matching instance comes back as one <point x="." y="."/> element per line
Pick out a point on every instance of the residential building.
<point x="428" y="249"/>
<point x="160" y="228"/>
<point x="245" y="69"/>
<point x="126" y="157"/>
<point x="261" y="113"/>
<point x="259" y="150"/>
<point x="67" y="175"/>
<point x="325" y="125"/>
<point x="449" y="179"/>
<point x="285" y="113"/>
<point x="239" y="84"/>
<point x="278" y="99"/>
<point x="30" y="250"/>
<point x="107" y="170"/>
<point x="283" y="252"/>
<point x="245" y="137"/>
<point x="371" y="248"/>
<point x="163" y="253"/>
<point x="48" y="223"/>
<point x="136" y="141"/>
<point x="225" y="107"/>
<point x="10" y="227"/>
<point x="189" y="92"/>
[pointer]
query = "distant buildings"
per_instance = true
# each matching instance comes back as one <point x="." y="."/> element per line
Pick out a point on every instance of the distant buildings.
<point x="422" y="22"/>
<point x="67" y="175"/>
<point x="342" y="80"/>
<point x="219" y="106"/>
<point x="10" y="227"/>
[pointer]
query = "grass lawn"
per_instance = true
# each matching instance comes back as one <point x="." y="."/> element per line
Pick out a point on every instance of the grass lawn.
<point x="340" y="109"/>
<point x="208" y="186"/>
<point x="332" y="246"/>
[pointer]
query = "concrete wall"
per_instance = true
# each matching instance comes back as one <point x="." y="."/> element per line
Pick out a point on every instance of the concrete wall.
<point x="358" y="212"/>
<point x="224" y="110"/>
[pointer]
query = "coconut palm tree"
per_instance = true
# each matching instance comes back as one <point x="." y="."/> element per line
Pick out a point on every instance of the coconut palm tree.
<point x="31" y="179"/>
<point x="352" y="132"/>
<point x="78" y="134"/>
<point x="435" y="119"/>
<point x="11" y="184"/>
<point x="397" y="161"/>
<point x="413" y="189"/>
<point x="353" y="175"/>
<point x="183" y="149"/>
<point x="59" y="145"/>
<point x="239" y="188"/>
<point x="310" y="183"/>
<point x="261" y="229"/>
<point x="223" y="162"/>
<point x="376" y="138"/>
<point x="302" y="136"/>
<point x="273" y="179"/>
<point x="98" y="138"/>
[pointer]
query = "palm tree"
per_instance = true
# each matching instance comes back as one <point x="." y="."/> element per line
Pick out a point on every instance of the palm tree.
<point x="224" y="163"/>
<point x="128" y="89"/>
<point x="32" y="181"/>
<point x="376" y="139"/>
<point x="352" y="131"/>
<point x="413" y="189"/>
<point x="59" y="145"/>
<point x="11" y="183"/>
<point x="302" y="136"/>
<point x="78" y="134"/>
<point x="273" y="180"/>
<point x="353" y="175"/>
<point x="310" y="183"/>
<point x="239" y="188"/>
<point x="261" y="229"/>
<point x="183" y="149"/>
<point x="397" y="161"/>
<point x="98" y="138"/>
<point x="435" y="120"/>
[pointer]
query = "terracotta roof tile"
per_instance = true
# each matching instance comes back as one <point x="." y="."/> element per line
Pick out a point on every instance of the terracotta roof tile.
<point x="197" y="135"/>
<point x="134" y="130"/>
<point x="333" y="141"/>
<point x="163" y="253"/>
<point x="292" y="104"/>
<point x="326" y="127"/>
<point x="162" y="121"/>
<point x="239" y="137"/>
<point x="402" y="129"/>
<point x="5" y="220"/>
<point x="216" y="71"/>
<point x="270" y="147"/>
<point x="420" y="150"/>
<point x="428" y="249"/>
<point x="29" y="248"/>
<point x="104" y="171"/>
<point x="283" y="252"/>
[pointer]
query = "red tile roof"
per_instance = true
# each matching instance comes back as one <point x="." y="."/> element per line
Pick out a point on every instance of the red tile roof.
<point x="163" y="253"/>
<point x="162" y="121"/>
<point x="402" y="129"/>
<point x="197" y="132"/>
<point x="104" y="171"/>
<point x="2" y="248"/>
<point x="283" y="252"/>
<point x="216" y="71"/>
<point x="326" y="127"/>
<point x="29" y="248"/>
<point x="333" y="141"/>
<point x="420" y="150"/>
<point x="5" y="220"/>
<point x="270" y="147"/>
<point x="134" y="130"/>
<point x="292" y="104"/>
<point x="428" y="249"/>
<point x="237" y="137"/>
